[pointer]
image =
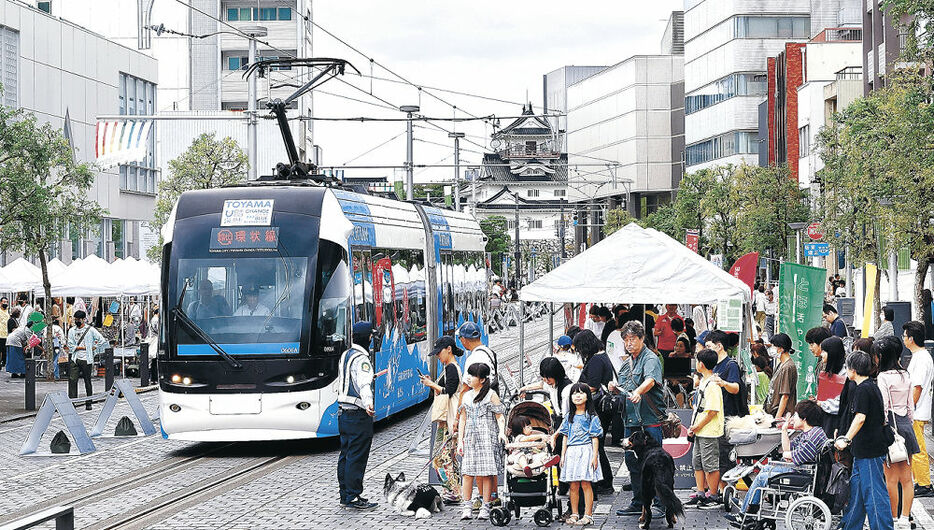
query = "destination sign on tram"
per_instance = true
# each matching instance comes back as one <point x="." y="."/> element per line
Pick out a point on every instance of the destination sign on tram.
<point x="244" y="238"/>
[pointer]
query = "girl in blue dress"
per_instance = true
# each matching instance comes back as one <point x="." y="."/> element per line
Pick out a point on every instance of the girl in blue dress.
<point x="580" y="460"/>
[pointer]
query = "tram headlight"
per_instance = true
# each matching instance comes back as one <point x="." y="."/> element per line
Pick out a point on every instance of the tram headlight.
<point x="290" y="379"/>
<point x="174" y="408"/>
<point x="186" y="381"/>
<point x="304" y="405"/>
<point x="176" y="378"/>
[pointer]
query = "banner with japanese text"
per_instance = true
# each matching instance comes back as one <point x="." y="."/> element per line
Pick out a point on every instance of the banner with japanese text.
<point x="800" y="301"/>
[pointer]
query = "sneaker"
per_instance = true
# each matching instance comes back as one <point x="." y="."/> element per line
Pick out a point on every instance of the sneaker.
<point x="361" y="504"/>
<point x="484" y="512"/>
<point x="902" y="523"/>
<point x="924" y="491"/>
<point x="466" y="513"/>
<point x="695" y="500"/>
<point x="632" y="509"/>
<point x="627" y="487"/>
<point x="450" y="498"/>
<point x="710" y="503"/>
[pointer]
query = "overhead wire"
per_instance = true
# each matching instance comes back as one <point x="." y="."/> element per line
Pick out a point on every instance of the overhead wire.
<point x="368" y="151"/>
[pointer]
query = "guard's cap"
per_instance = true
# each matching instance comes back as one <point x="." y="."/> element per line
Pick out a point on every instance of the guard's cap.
<point x="445" y="342"/>
<point x="470" y="330"/>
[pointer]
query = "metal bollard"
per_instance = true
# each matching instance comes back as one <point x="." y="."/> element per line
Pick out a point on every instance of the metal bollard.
<point x="30" y="399"/>
<point x="144" y="364"/>
<point x="108" y="369"/>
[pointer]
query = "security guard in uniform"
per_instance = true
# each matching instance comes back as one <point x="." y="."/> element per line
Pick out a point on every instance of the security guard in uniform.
<point x="355" y="417"/>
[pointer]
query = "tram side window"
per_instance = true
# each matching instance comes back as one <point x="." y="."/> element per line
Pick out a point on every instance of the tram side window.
<point x="362" y="287"/>
<point x="409" y="294"/>
<point x="332" y="295"/>
<point x="449" y="311"/>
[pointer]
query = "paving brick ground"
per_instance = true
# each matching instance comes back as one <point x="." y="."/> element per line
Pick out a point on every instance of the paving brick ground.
<point x="299" y="493"/>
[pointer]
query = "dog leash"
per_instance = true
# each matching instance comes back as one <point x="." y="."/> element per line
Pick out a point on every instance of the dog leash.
<point x="432" y="457"/>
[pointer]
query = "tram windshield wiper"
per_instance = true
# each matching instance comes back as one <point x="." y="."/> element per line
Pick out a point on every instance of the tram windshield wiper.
<point x="181" y="316"/>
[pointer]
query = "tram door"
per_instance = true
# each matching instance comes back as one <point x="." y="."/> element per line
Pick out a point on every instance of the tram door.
<point x="363" y="308"/>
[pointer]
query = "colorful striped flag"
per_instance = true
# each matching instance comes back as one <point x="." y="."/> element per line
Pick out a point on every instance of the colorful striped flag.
<point x="121" y="142"/>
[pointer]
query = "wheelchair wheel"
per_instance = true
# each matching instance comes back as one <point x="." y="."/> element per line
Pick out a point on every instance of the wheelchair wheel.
<point x="543" y="517"/>
<point x="808" y="513"/>
<point x="729" y="497"/>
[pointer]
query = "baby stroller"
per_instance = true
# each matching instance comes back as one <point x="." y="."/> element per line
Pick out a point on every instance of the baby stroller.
<point x="538" y="491"/>
<point x="797" y="496"/>
<point x="752" y="450"/>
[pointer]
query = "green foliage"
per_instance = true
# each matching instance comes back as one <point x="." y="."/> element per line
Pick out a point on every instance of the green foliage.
<point x="878" y="179"/>
<point x="616" y="219"/>
<point x="915" y="19"/>
<point x="768" y="199"/>
<point x="208" y="163"/>
<point x="496" y="230"/>
<point x="44" y="191"/>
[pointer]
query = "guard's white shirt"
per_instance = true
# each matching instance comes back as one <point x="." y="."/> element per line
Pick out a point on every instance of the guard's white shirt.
<point x="361" y="379"/>
<point x="259" y="311"/>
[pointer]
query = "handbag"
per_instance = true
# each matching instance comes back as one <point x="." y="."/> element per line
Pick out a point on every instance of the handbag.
<point x="898" y="452"/>
<point x="439" y="407"/>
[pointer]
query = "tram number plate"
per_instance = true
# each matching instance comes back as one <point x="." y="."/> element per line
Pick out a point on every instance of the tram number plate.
<point x="237" y="404"/>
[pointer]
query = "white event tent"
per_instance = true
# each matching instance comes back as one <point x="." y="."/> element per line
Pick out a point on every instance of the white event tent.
<point x="20" y="275"/>
<point x="636" y="265"/>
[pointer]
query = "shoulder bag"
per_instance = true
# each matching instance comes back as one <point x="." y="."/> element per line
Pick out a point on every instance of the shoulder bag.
<point x="670" y="423"/>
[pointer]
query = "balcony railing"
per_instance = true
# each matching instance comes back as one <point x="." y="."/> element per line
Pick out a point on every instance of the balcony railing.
<point x="839" y="35"/>
<point x="850" y="73"/>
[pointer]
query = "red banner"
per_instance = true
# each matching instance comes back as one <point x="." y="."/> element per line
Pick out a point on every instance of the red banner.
<point x="745" y="268"/>
<point x="692" y="240"/>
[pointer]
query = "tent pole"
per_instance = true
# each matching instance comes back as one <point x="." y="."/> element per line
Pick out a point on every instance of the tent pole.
<point x="551" y="328"/>
<point x="521" y="344"/>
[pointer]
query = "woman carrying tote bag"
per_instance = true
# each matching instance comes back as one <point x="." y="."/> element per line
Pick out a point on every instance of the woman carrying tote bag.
<point x="447" y="391"/>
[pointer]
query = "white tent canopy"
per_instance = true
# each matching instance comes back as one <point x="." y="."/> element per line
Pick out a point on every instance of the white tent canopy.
<point x="636" y="266"/>
<point x="21" y="275"/>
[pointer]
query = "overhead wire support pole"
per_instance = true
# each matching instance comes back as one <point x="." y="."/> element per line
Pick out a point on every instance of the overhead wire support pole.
<point x="409" y="173"/>
<point x="457" y="168"/>
<point x="253" y="32"/>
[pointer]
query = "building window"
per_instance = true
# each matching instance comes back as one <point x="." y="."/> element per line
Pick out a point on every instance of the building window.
<point x="745" y="84"/>
<point x="138" y="98"/>
<point x="754" y="27"/>
<point x="729" y="144"/>
<point x="804" y="141"/>
<point x="510" y="224"/>
<point x="236" y="63"/>
<point x="285" y="13"/>
<point x="246" y="14"/>
<point x="532" y="193"/>
<point x="560" y="193"/>
<point x="267" y="13"/>
<point x="535" y="224"/>
<point x="9" y="66"/>
<point x="45" y="6"/>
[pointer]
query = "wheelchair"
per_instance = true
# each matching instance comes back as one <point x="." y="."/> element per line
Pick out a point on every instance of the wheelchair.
<point x="797" y="496"/>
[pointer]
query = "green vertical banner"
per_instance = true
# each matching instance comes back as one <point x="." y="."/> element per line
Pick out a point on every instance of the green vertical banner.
<point x="800" y="301"/>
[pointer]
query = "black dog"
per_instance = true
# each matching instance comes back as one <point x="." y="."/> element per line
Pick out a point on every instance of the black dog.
<point x="658" y="477"/>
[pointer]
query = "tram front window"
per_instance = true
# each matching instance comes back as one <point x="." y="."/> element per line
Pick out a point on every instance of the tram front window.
<point x="248" y="305"/>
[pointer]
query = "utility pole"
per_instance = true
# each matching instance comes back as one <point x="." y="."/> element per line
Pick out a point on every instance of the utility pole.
<point x="457" y="168"/>
<point x="253" y="32"/>
<point x="518" y="248"/>
<point x="564" y="253"/>
<point x="409" y="174"/>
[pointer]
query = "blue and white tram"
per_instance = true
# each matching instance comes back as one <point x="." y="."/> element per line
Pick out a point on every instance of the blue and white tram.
<point x="262" y="283"/>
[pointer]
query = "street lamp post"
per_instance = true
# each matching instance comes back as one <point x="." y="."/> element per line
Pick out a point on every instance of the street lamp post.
<point x="457" y="168"/>
<point x="253" y="32"/>
<point x="409" y="174"/>
<point x="797" y="227"/>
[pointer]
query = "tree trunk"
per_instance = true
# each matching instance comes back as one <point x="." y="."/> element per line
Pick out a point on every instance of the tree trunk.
<point x="48" y="346"/>
<point x="920" y="274"/>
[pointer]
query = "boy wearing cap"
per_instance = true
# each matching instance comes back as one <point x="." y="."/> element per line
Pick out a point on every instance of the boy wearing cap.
<point x="783" y="390"/>
<point x="569" y="360"/>
<point x="470" y="334"/>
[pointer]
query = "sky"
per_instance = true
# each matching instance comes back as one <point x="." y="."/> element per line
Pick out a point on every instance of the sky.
<point x="498" y="49"/>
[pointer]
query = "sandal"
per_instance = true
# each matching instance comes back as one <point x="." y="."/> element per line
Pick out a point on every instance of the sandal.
<point x="572" y="519"/>
<point x="584" y="521"/>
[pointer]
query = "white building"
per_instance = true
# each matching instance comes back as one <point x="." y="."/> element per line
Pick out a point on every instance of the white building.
<point x="828" y="64"/>
<point x="555" y="86"/>
<point x="67" y="76"/>
<point x="726" y="45"/>
<point x="205" y="74"/>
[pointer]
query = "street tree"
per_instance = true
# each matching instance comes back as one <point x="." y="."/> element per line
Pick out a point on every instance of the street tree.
<point x="768" y="199"/>
<point x="44" y="195"/>
<point x="878" y="177"/>
<point x="207" y="163"/>
<point x="498" y="242"/>
<point x="616" y="218"/>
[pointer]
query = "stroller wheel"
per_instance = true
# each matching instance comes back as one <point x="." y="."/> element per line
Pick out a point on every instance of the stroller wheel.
<point x="808" y="513"/>
<point x="499" y="516"/>
<point x="543" y="517"/>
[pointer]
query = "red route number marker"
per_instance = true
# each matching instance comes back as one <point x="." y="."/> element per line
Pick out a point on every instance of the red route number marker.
<point x="814" y="231"/>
